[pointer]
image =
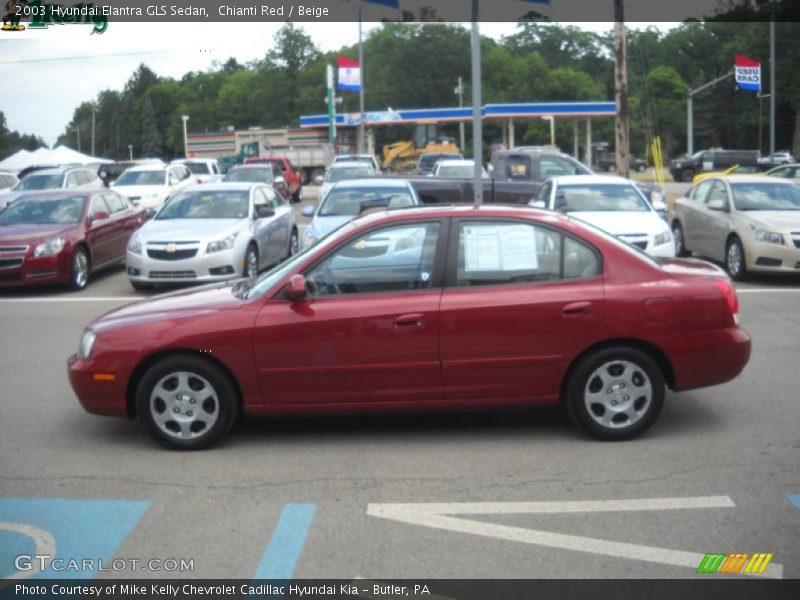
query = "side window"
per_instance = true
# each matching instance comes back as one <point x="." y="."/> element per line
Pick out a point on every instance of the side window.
<point x="543" y="195"/>
<point x="259" y="198"/>
<point x="579" y="260"/>
<point x="98" y="204"/>
<point x="174" y="177"/>
<point x="701" y="190"/>
<point x="115" y="203"/>
<point x="491" y="253"/>
<point x="391" y="259"/>
<point x="518" y="167"/>
<point x="553" y="166"/>
<point x="86" y="177"/>
<point x="273" y="199"/>
<point x="717" y="193"/>
<point x="72" y="180"/>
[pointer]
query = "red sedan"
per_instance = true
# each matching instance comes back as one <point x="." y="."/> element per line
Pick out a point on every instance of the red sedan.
<point x="64" y="236"/>
<point x="423" y="308"/>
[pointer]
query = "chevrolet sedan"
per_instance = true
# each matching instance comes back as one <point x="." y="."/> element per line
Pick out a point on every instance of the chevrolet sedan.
<point x="64" y="236"/>
<point x="423" y="308"/>
<point x="213" y="232"/>
<point x="748" y="223"/>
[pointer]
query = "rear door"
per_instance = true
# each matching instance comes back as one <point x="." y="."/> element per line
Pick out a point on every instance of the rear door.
<point x="520" y="300"/>
<point x="100" y="232"/>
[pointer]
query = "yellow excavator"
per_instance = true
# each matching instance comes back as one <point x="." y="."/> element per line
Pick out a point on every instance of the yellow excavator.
<point x="402" y="156"/>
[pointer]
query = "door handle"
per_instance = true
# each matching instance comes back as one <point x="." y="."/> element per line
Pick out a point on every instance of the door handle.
<point x="412" y="320"/>
<point x="576" y="308"/>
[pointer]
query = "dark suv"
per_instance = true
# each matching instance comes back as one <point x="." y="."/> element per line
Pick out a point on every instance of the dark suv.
<point x="716" y="159"/>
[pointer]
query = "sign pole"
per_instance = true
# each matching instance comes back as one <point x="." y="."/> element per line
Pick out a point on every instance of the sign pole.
<point x="331" y="111"/>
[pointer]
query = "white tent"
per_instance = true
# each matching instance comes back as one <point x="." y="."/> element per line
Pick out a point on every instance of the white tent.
<point x="16" y="162"/>
<point x="60" y="155"/>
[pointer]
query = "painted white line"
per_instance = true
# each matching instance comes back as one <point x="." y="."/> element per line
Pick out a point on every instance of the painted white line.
<point x="43" y="541"/>
<point x="437" y="516"/>
<point x="76" y="299"/>
<point x="767" y="290"/>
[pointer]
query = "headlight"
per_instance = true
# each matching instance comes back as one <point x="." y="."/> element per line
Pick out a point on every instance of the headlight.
<point x="223" y="244"/>
<point x="663" y="238"/>
<point x="151" y="196"/>
<point x="763" y="235"/>
<point x="135" y="245"/>
<point x="50" y="247"/>
<point x="86" y="345"/>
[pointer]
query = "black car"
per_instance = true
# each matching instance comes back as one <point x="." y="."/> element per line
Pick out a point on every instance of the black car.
<point x="715" y="159"/>
<point x="111" y="171"/>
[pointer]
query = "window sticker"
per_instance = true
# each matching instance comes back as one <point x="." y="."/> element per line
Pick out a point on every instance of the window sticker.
<point x="499" y="248"/>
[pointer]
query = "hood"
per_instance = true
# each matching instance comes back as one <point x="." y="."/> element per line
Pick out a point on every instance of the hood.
<point x="33" y="234"/>
<point x="322" y="226"/>
<point x="786" y="220"/>
<point x="194" y="301"/>
<point x="140" y="190"/>
<point x="185" y="230"/>
<point x="623" y="223"/>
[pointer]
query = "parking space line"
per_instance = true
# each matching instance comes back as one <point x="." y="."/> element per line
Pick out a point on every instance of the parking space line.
<point x="767" y="290"/>
<point x="794" y="499"/>
<point x="286" y="543"/>
<point x="76" y="299"/>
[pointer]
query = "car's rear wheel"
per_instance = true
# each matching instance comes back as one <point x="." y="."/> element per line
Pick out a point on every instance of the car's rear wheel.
<point x="79" y="270"/>
<point x="641" y="168"/>
<point x="297" y="197"/>
<point x="186" y="403"/>
<point x="680" y="240"/>
<point x="250" y="262"/>
<point x="615" y="393"/>
<point x="734" y="259"/>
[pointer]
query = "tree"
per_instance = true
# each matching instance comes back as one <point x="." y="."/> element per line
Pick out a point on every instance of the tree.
<point x="151" y="140"/>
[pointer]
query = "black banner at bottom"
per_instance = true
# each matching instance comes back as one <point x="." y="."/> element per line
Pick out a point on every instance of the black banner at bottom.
<point x="403" y="589"/>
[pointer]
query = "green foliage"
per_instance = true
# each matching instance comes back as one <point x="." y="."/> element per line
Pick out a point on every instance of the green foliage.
<point x="151" y="139"/>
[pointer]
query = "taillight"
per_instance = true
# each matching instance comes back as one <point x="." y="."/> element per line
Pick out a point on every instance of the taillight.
<point x="729" y="292"/>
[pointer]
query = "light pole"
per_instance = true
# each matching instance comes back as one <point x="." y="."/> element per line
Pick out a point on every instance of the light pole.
<point x="94" y="110"/>
<point x="130" y="152"/>
<point x="185" y="137"/>
<point x="459" y="89"/>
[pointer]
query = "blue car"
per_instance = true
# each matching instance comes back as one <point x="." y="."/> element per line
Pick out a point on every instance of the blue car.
<point x="348" y="199"/>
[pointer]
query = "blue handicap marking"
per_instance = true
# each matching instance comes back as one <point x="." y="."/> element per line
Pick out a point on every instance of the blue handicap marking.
<point x="794" y="499"/>
<point x="286" y="543"/>
<point x="68" y="529"/>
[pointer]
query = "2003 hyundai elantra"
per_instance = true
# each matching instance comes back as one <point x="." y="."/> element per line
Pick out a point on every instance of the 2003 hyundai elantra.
<point x="423" y="308"/>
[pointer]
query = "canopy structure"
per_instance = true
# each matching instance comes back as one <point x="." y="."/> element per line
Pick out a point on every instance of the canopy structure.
<point x="60" y="155"/>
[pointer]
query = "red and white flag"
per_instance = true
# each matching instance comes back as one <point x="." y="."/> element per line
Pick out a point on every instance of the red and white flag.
<point x="349" y="74"/>
<point x="748" y="73"/>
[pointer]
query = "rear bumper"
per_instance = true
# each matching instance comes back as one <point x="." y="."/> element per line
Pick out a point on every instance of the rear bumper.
<point x="709" y="358"/>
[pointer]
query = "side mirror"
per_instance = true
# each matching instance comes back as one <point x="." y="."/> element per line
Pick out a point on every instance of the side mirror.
<point x="295" y="289"/>
<point x="308" y="211"/>
<point x="561" y="202"/>
<point x="538" y="204"/>
<point x="718" y="204"/>
<point x="264" y="210"/>
<point x="150" y="213"/>
<point x="98" y="215"/>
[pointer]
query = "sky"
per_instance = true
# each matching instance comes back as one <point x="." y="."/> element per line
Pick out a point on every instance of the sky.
<point x="50" y="72"/>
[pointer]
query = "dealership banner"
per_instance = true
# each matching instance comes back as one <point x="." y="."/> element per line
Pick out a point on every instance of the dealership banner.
<point x="748" y="73"/>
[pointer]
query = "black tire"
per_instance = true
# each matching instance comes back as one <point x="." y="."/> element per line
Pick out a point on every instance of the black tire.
<point x="734" y="259"/>
<point x="294" y="244"/>
<point x="141" y="287"/>
<point x="186" y="403"/>
<point x="79" y="269"/>
<point x="680" y="240"/>
<point x="599" y="397"/>
<point x="250" y="268"/>
<point x="297" y="197"/>
<point x="303" y="176"/>
<point x="317" y="175"/>
<point x="641" y="168"/>
<point x="687" y="175"/>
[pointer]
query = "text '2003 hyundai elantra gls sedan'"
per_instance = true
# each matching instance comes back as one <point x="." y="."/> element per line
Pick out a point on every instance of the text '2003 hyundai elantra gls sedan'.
<point x="422" y="308"/>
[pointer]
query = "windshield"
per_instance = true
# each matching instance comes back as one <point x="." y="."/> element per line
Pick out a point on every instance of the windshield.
<point x="344" y="201"/>
<point x="39" y="182"/>
<point x="207" y="204"/>
<point x="37" y="211"/>
<point x="765" y="196"/>
<point x="250" y="175"/>
<point x="345" y="173"/>
<point x="143" y="178"/>
<point x="198" y="168"/>
<point x="601" y="197"/>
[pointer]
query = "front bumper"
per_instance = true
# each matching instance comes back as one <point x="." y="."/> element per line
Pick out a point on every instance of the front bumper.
<point x="21" y="270"/>
<point x="208" y="268"/>
<point x="773" y="258"/>
<point x="97" y="393"/>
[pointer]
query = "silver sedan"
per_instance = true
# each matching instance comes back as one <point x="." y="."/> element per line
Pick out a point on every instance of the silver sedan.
<point x="213" y="232"/>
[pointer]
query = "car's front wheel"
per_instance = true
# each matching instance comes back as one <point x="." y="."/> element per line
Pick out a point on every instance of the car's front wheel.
<point x="294" y="244"/>
<point x="186" y="403"/>
<point x="79" y="269"/>
<point x="250" y="262"/>
<point x="680" y="240"/>
<point x="734" y="259"/>
<point x="615" y="393"/>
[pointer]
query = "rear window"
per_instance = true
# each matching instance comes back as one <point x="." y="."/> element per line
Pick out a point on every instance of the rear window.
<point x="198" y="168"/>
